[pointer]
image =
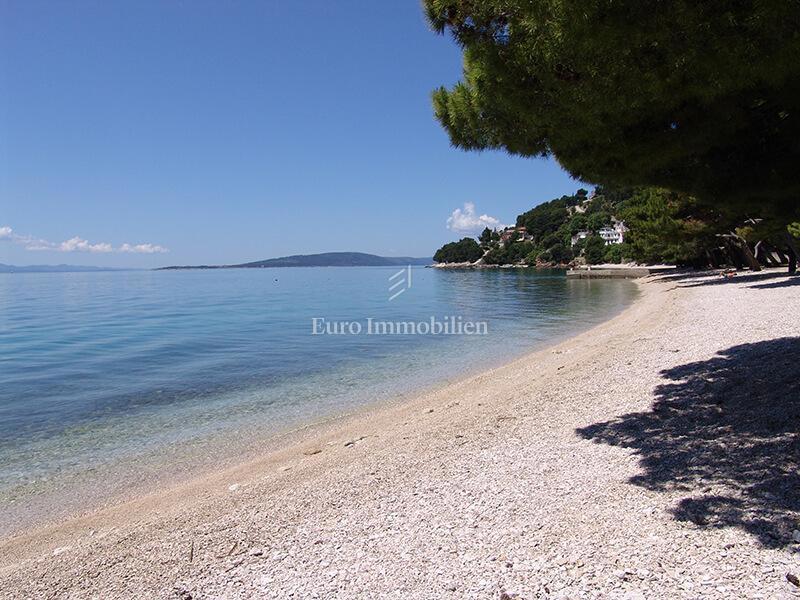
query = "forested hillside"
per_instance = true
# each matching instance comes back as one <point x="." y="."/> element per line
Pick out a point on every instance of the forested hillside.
<point x="660" y="227"/>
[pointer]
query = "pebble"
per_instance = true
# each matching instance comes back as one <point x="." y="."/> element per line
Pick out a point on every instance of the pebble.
<point x="399" y="517"/>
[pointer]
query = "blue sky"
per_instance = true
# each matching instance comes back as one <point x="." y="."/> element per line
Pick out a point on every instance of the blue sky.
<point x="233" y="131"/>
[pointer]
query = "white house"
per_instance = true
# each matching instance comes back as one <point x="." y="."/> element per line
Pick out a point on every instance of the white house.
<point x="615" y="234"/>
<point x="518" y="234"/>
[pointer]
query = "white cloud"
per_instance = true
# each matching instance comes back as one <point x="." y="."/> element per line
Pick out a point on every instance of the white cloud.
<point x="6" y="233"/>
<point x="143" y="248"/>
<point x="76" y="244"/>
<point x="33" y="244"/>
<point x="467" y="220"/>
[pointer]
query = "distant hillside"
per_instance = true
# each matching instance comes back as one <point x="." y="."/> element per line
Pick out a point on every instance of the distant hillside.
<point x="53" y="269"/>
<point x="326" y="259"/>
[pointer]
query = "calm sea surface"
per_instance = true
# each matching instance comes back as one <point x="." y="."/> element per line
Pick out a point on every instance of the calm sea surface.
<point x="98" y="368"/>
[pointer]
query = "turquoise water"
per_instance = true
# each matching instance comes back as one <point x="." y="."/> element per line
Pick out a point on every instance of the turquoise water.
<point x="101" y="367"/>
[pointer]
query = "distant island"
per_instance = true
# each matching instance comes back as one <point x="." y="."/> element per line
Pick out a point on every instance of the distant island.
<point x="54" y="269"/>
<point x="325" y="259"/>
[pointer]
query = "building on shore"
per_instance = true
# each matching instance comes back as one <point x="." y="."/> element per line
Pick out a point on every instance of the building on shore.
<point x="611" y="234"/>
<point x="515" y="234"/>
<point x="615" y="234"/>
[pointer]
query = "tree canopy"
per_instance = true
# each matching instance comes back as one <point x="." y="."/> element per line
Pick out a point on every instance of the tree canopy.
<point x="701" y="98"/>
<point x="667" y="227"/>
<point x="464" y="250"/>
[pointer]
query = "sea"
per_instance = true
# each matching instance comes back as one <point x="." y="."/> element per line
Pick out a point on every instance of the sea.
<point x="108" y="379"/>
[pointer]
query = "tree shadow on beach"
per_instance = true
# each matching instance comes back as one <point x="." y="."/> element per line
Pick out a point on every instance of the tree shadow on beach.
<point x="706" y="278"/>
<point x="682" y="275"/>
<point x="788" y="282"/>
<point x="725" y="432"/>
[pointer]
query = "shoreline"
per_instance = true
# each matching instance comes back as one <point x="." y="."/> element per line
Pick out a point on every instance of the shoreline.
<point x="289" y="440"/>
<point x="511" y="428"/>
<point x="127" y="478"/>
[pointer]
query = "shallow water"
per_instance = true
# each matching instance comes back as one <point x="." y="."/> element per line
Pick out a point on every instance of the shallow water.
<point x="101" y="367"/>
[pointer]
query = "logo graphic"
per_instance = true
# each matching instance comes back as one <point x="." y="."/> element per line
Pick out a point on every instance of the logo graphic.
<point x="401" y="284"/>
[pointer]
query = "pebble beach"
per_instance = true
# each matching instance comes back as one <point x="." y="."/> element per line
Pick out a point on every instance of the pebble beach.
<point x="653" y="456"/>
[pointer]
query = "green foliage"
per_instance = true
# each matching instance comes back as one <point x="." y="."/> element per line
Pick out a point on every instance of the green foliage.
<point x="663" y="227"/>
<point x="595" y="250"/>
<point x="577" y="223"/>
<point x="464" y="250"/>
<point x="511" y="252"/>
<point x="666" y="227"/>
<point x="551" y="226"/>
<point x="518" y="251"/>
<point x="794" y="229"/>
<point x="699" y="97"/>
<point x="551" y="239"/>
<point x="496" y="256"/>
<point x="597" y="220"/>
<point x="614" y="253"/>
<point x="485" y="237"/>
<point x="560" y="253"/>
<point x="544" y="219"/>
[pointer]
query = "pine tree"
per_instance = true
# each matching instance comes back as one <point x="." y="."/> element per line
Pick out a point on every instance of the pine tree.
<point x="697" y="97"/>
